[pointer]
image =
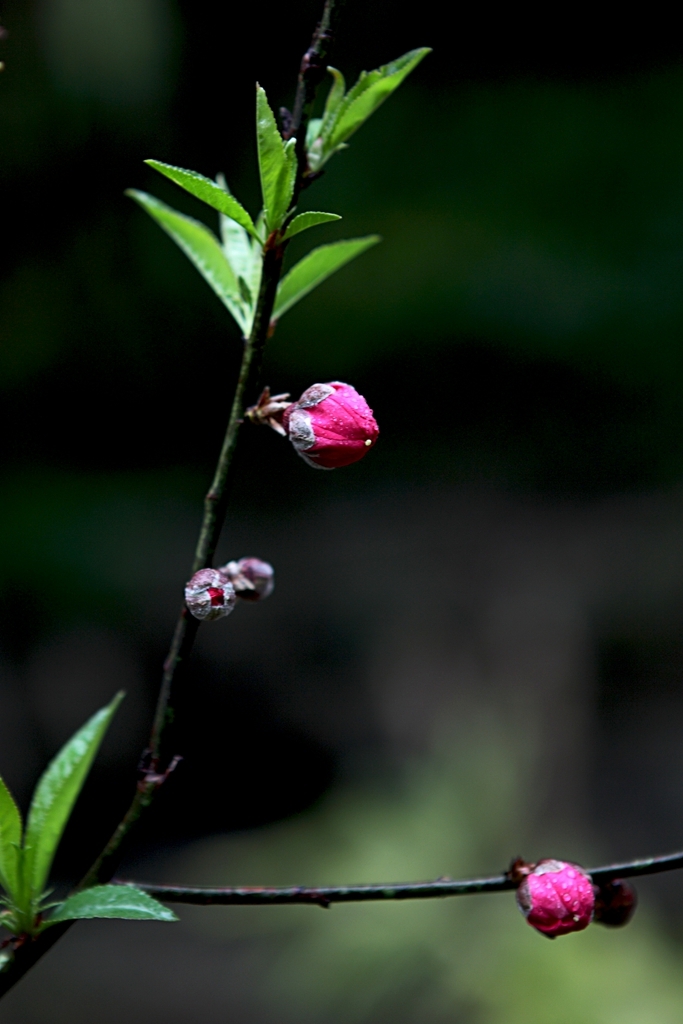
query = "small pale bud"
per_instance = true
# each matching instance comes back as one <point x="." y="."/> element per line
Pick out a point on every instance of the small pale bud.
<point x="252" y="579"/>
<point x="615" y="903"/>
<point x="209" y="595"/>
<point x="557" y="898"/>
<point x="331" y="425"/>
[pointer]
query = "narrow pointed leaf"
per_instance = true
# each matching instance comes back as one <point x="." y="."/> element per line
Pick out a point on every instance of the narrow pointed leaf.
<point x="313" y="130"/>
<point x="56" y="794"/>
<point x="201" y="247"/>
<point x="245" y="255"/>
<point x="369" y="92"/>
<point x="321" y="128"/>
<point x="308" y="220"/>
<point x="246" y="259"/>
<point x="10" y="840"/>
<point x="237" y="247"/>
<point x="112" y="901"/>
<point x="208" y="191"/>
<point x="314" y="268"/>
<point x="277" y="163"/>
<point x="245" y="262"/>
<point x="335" y="95"/>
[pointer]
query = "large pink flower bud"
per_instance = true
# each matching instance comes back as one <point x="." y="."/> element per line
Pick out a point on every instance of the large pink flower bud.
<point x="331" y="425"/>
<point x="210" y="595"/>
<point x="557" y="898"/>
<point x="252" y="579"/>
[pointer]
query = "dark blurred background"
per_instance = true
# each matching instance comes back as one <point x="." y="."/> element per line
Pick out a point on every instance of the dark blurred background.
<point x="475" y="645"/>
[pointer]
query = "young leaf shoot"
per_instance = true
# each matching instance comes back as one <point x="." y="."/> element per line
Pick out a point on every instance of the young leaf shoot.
<point x="344" y="115"/>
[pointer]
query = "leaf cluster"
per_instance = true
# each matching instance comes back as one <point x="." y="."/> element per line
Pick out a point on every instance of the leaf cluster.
<point x="26" y="854"/>
<point x="231" y="262"/>
<point x="345" y="112"/>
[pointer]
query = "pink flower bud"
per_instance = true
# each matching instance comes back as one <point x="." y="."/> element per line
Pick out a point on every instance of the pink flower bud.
<point x="331" y="425"/>
<point x="252" y="579"/>
<point x="557" y="898"/>
<point x="210" y="595"/>
<point x="615" y="903"/>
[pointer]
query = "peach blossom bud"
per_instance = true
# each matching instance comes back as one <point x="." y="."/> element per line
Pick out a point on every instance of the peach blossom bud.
<point x="331" y="425"/>
<point x="556" y="898"/>
<point x="615" y="903"/>
<point x="252" y="579"/>
<point x="209" y="595"/>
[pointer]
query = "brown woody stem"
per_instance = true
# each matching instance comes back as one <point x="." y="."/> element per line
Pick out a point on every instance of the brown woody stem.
<point x="317" y="896"/>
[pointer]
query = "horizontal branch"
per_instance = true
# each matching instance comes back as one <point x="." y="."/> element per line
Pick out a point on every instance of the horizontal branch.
<point x="323" y="897"/>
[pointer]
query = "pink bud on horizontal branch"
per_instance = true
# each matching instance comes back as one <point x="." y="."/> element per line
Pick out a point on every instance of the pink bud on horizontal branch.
<point x="209" y="595"/>
<point x="556" y="897"/>
<point x="252" y="579"/>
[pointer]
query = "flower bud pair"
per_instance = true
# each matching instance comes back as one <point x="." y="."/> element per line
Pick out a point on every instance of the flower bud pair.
<point x="558" y="897"/>
<point x="212" y="593"/>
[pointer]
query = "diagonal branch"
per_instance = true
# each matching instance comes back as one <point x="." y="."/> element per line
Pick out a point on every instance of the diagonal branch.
<point x="27" y="953"/>
<point x="324" y="896"/>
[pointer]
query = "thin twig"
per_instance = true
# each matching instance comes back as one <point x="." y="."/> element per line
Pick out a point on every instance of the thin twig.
<point x="323" y="896"/>
<point x="215" y="507"/>
<point x="311" y="74"/>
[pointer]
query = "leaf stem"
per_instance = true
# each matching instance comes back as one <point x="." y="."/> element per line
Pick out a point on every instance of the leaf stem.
<point x="262" y="895"/>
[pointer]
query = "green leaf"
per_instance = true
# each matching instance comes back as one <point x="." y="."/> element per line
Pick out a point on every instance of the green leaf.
<point x="277" y="163"/>
<point x="335" y="95"/>
<point x="313" y="131"/>
<point x="201" y="247"/>
<point x="237" y="247"/>
<point x="245" y="257"/>
<point x="314" y="268"/>
<point x="10" y="839"/>
<point x="321" y="128"/>
<point x="369" y="92"/>
<point x="56" y="794"/>
<point x="208" y="191"/>
<point x="308" y="220"/>
<point x="114" y="901"/>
